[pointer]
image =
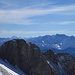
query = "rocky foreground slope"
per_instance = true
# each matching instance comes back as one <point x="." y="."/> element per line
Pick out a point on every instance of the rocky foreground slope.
<point x="32" y="61"/>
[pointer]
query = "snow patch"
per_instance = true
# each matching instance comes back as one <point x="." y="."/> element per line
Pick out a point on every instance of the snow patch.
<point x="43" y="45"/>
<point x="4" y="68"/>
<point x="43" y="41"/>
<point x="56" y="46"/>
<point x="0" y="73"/>
<point x="48" y="62"/>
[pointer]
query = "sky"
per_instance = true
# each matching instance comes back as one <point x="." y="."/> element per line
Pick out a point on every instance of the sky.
<point x="32" y="18"/>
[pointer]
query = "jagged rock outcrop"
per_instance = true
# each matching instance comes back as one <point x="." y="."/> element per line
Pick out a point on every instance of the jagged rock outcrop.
<point x="67" y="63"/>
<point x="26" y="56"/>
<point x="61" y="63"/>
<point x="52" y="61"/>
<point x="50" y="56"/>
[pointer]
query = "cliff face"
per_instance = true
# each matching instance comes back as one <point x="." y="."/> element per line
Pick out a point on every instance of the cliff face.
<point x="26" y="56"/>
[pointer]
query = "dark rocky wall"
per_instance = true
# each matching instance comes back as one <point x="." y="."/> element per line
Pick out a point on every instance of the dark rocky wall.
<point x="26" y="56"/>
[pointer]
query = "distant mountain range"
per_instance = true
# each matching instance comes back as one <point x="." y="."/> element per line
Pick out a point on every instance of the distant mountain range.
<point x="57" y="43"/>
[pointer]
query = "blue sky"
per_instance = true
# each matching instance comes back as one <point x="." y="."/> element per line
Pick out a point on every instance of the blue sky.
<point x="30" y="18"/>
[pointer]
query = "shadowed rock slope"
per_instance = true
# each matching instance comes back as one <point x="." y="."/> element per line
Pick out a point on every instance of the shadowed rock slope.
<point x="61" y="63"/>
<point x="26" y="56"/>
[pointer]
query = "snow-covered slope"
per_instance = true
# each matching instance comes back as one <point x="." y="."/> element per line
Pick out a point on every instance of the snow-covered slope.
<point x="7" y="69"/>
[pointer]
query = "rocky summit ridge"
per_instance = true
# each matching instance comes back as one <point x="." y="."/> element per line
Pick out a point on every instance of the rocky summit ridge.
<point x="28" y="57"/>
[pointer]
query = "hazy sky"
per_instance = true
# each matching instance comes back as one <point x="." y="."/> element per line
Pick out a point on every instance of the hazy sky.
<point x="29" y="18"/>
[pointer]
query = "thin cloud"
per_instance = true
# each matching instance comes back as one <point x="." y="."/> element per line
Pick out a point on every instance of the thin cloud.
<point x="66" y="22"/>
<point x="40" y="5"/>
<point x="21" y="16"/>
<point x="6" y="4"/>
<point x="61" y="23"/>
<point x="27" y="32"/>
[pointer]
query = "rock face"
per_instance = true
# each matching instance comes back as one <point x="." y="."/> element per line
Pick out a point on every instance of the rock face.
<point x="62" y="63"/>
<point x="67" y="63"/>
<point x="26" y="56"/>
<point x="50" y="56"/>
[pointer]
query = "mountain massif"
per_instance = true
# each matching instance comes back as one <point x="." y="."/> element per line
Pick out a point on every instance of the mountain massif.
<point x="59" y="43"/>
<point x="29" y="58"/>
